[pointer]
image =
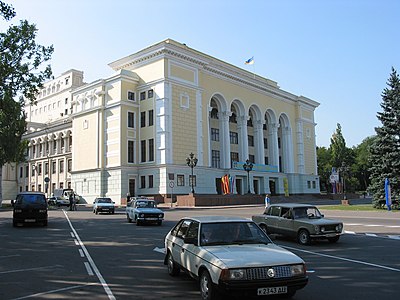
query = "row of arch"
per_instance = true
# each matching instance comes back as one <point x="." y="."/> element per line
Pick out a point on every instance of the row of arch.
<point x="263" y="127"/>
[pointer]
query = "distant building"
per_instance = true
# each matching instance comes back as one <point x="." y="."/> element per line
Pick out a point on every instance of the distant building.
<point x="132" y="132"/>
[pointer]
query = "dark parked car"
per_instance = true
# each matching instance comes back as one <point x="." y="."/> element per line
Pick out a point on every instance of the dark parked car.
<point x="30" y="207"/>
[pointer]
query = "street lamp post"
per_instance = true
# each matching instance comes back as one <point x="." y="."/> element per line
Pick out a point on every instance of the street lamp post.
<point x="191" y="161"/>
<point x="248" y="166"/>
<point x="344" y="169"/>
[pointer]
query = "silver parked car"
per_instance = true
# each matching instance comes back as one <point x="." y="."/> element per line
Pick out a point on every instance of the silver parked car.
<point x="143" y="210"/>
<point x="302" y="221"/>
<point x="232" y="255"/>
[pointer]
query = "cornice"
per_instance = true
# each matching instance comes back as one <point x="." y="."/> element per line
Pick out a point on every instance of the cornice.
<point x="173" y="50"/>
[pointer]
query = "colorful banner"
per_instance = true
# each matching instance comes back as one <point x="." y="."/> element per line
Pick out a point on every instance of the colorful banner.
<point x="388" y="194"/>
<point x="227" y="184"/>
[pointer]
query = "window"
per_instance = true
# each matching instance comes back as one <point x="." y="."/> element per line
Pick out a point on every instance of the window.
<point x="233" y="118"/>
<point x="180" y="180"/>
<point x="39" y="169"/>
<point x="62" y="143"/>
<point x="131" y="152"/>
<point x="143" y="150"/>
<point x="61" y="185"/>
<point x="54" y="166"/>
<point x="151" y="117"/>
<point x="313" y="185"/>
<point x="54" y="146"/>
<point x="131" y="96"/>
<point x="250" y="139"/>
<point x="265" y="143"/>
<point x="234" y="157"/>
<point x="279" y="142"/>
<point x="215" y="160"/>
<point x="131" y="120"/>
<point x="27" y="171"/>
<point x="69" y="165"/>
<point x="233" y="136"/>
<point x="214" y="113"/>
<point x="142" y="182"/>
<point x="21" y="171"/>
<point x="215" y="134"/>
<point x="250" y="122"/>
<point x="33" y="170"/>
<point x="192" y="180"/>
<point x="66" y="100"/>
<point x="309" y="184"/>
<point x="46" y="168"/>
<point x="151" y="149"/>
<point x="61" y="166"/>
<point x="151" y="179"/>
<point x="39" y="187"/>
<point x="150" y="94"/>
<point x="266" y="160"/>
<point x="251" y="158"/>
<point x="143" y="119"/>
<point x="142" y="95"/>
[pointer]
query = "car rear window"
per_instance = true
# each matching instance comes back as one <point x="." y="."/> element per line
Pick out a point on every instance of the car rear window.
<point x="31" y="199"/>
<point x="104" y="200"/>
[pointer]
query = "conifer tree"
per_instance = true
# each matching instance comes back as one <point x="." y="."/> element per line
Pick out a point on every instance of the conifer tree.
<point x="385" y="149"/>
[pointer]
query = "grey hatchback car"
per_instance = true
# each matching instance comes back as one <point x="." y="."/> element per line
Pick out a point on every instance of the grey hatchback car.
<point x="30" y="207"/>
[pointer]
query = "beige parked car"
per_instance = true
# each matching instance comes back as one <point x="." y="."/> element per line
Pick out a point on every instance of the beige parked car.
<point x="301" y="221"/>
<point x="232" y="255"/>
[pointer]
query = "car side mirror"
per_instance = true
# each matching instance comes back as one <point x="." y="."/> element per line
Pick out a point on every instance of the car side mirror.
<point x="190" y="240"/>
<point x="12" y="203"/>
<point x="322" y="215"/>
<point x="113" y="202"/>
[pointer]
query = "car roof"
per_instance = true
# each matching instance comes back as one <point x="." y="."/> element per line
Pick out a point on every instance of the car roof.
<point x="292" y="205"/>
<point x="218" y="219"/>
<point x="31" y="193"/>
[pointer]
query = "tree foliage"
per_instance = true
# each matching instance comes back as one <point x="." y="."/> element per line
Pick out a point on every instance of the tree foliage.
<point x="21" y="77"/>
<point x="385" y="148"/>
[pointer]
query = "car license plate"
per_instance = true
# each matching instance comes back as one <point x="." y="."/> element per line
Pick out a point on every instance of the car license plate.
<point x="272" y="290"/>
<point x="151" y="219"/>
<point x="30" y="220"/>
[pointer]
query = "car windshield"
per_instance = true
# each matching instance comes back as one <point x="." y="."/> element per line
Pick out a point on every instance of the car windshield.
<point x="228" y="233"/>
<point x="145" y="204"/>
<point x="306" y="212"/>
<point x="31" y="199"/>
<point x="104" y="200"/>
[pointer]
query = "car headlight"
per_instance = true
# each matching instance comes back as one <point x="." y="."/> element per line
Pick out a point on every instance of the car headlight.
<point x="298" y="270"/>
<point x="316" y="228"/>
<point x="322" y="229"/>
<point x="233" y="274"/>
<point x="42" y="210"/>
<point x="339" y="228"/>
<point x="141" y="215"/>
<point x="161" y="215"/>
<point x="18" y="210"/>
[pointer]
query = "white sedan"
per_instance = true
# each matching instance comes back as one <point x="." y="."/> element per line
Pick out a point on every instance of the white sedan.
<point x="232" y="255"/>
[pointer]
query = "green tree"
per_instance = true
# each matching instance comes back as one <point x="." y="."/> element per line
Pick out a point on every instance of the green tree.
<point x="362" y="163"/>
<point x="324" y="157"/>
<point x="20" y="79"/>
<point x="385" y="148"/>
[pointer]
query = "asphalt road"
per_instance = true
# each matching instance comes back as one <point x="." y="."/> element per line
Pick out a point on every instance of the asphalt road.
<point x="81" y="255"/>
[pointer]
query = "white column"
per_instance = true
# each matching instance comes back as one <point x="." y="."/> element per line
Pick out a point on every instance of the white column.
<point x="273" y="144"/>
<point x="259" y="142"/>
<point x="199" y="121"/>
<point x="242" y="137"/>
<point x="225" y="154"/>
<point x="288" y="150"/>
<point x="300" y="147"/>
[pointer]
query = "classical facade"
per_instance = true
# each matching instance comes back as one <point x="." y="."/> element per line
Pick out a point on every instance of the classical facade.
<point x="132" y="132"/>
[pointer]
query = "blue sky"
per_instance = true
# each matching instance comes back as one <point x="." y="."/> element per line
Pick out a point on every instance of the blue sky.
<point x="338" y="53"/>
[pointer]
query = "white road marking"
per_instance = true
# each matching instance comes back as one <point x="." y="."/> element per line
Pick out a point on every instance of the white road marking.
<point x="55" y="291"/>
<point x="31" y="269"/>
<point x="72" y="235"/>
<point x="160" y="250"/>
<point x="88" y="268"/>
<point x="81" y="253"/>
<point x="76" y="242"/>
<point x="344" y="259"/>
<point x="92" y="264"/>
<point x="7" y="256"/>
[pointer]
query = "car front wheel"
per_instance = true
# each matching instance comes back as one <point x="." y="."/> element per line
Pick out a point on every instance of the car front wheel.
<point x="207" y="290"/>
<point x="173" y="269"/>
<point x="128" y="218"/>
<point x="303" y="237"/>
